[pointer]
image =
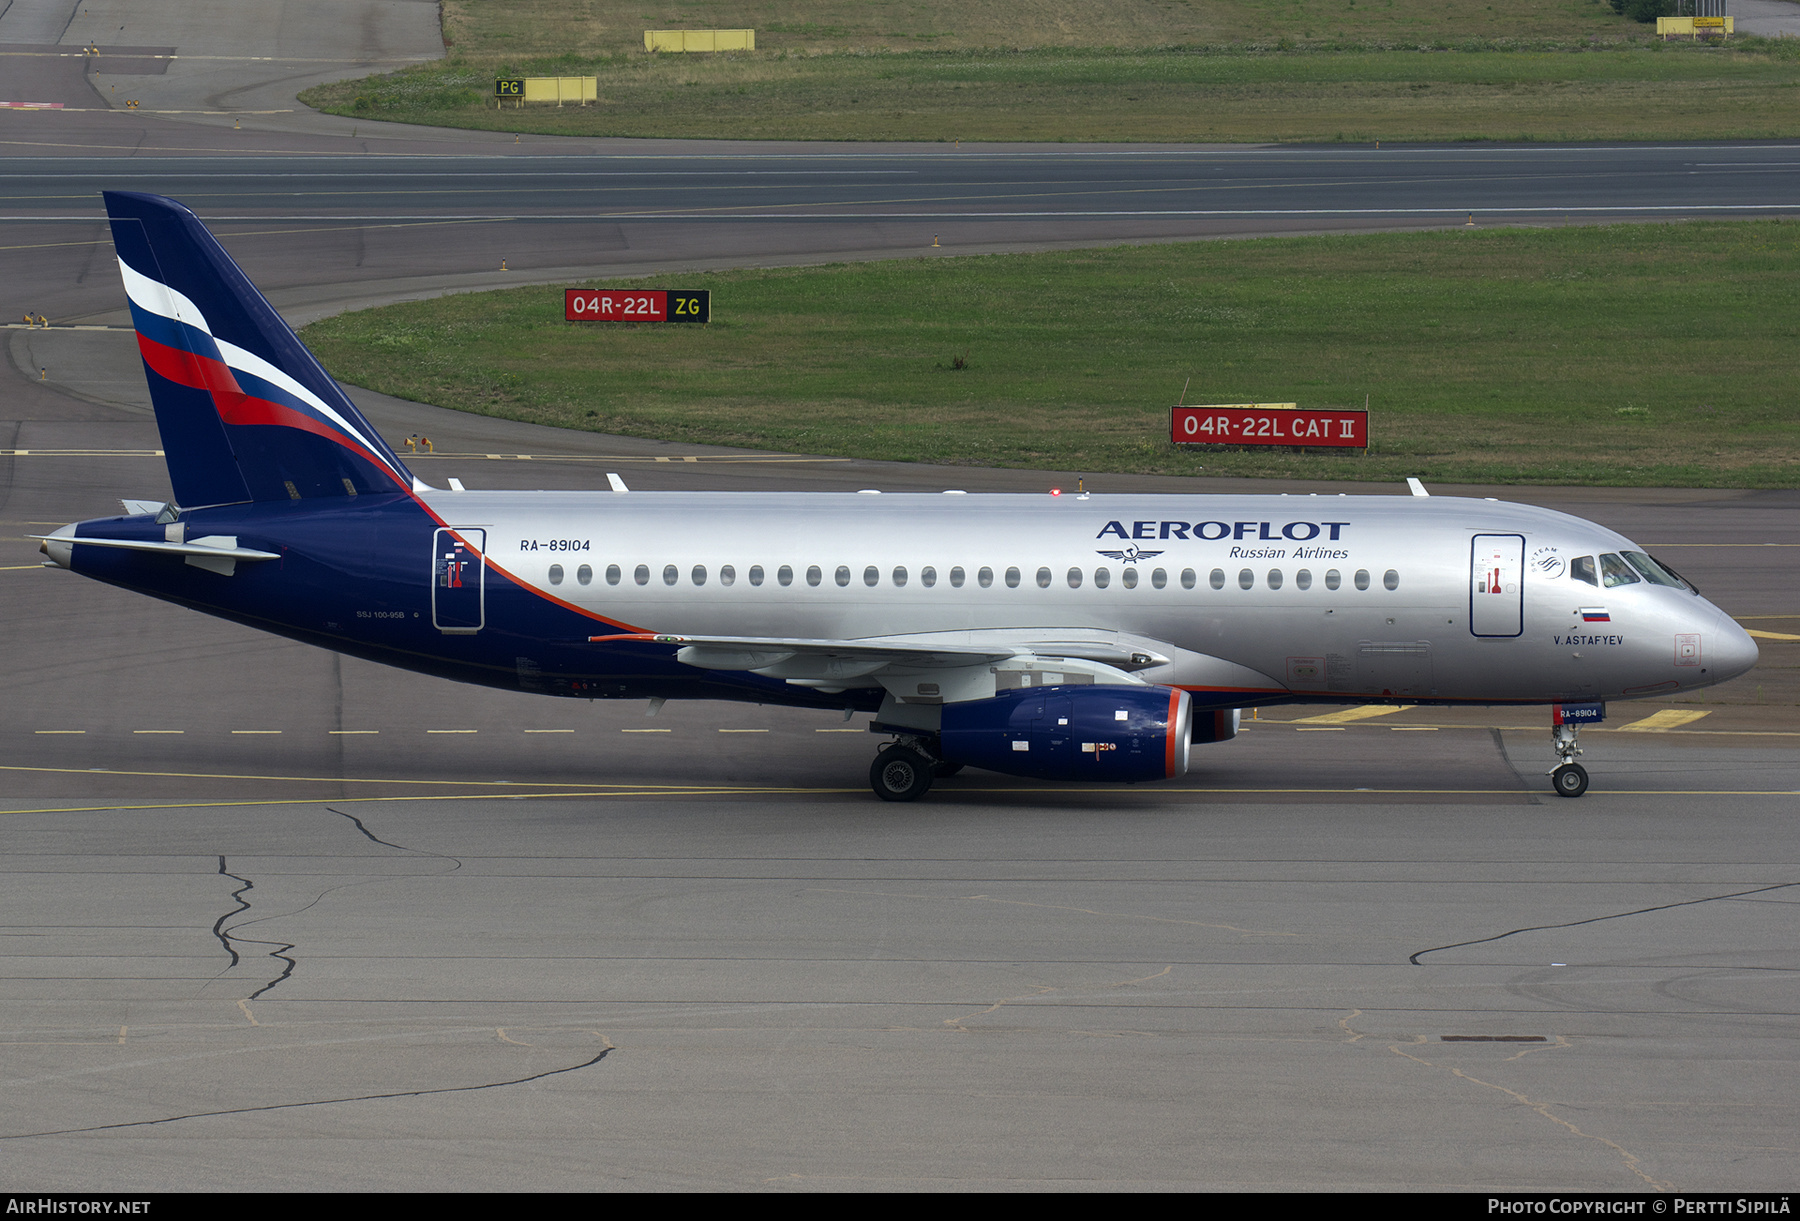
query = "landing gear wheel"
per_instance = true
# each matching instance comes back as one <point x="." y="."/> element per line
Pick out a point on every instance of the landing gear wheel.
<point x="1571" y="780"/>
<point x="900" y="773"/>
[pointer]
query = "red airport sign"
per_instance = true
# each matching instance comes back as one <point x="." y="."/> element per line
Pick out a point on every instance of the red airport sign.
<point x="1269" y="424"/>
<point x="637" y="305"/>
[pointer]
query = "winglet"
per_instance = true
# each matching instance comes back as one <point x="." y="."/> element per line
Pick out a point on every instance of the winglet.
<point x="1417" y="488"/>
<point x="618" y="484"/>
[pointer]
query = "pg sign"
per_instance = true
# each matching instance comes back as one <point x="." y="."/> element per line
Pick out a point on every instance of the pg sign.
<point x="637" y="305"/>
<point x="1269" y="424"/>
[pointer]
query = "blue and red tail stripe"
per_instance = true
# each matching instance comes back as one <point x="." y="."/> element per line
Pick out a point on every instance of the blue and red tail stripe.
<point x="245" y="411"/>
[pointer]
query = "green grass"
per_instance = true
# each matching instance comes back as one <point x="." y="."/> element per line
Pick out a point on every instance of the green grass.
<point x="1242" y="96"/>
<point x="1649" y="355"/>
<point x="1136" y="70"/>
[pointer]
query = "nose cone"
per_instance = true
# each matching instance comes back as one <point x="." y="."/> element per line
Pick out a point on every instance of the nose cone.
<point x="1730" y="652"/>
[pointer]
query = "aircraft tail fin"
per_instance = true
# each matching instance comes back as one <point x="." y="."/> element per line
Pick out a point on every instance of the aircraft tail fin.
<point x="245" y="411"/>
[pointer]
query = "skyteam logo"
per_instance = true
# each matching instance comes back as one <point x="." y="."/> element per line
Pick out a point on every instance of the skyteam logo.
<point x="1131" y="554"/>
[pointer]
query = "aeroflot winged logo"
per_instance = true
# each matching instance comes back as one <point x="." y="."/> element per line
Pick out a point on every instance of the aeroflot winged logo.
<point x="1131" y="554"/>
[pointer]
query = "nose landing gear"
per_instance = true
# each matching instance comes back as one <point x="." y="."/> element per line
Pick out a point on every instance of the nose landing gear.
<point x="1568" y="776"/>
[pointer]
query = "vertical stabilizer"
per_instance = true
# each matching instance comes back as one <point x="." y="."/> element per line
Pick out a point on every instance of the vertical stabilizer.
<point x="244" y="410"/>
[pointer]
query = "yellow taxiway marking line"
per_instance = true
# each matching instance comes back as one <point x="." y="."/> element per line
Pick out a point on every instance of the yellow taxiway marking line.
<point x="452" y="731"/>
<point x="256" y="731"/>
<point x="1319" y="729"/>
<point x="1347" y="715"/>
<point x="549" y="731"/>
<point x="1668" y="718"/>
<point x="743" y="731"/>
<point x="497" y="784"/>
<point x="840" y="731"/>
<point x="1412" y="728"/>
<point x="59" y="731"/>
<point x="646" y="731"/>
<point x="1762" y="635"/>
<point x="165" y="731"/>
<point x="23" y="567"/>
<point x="349" y="733"/>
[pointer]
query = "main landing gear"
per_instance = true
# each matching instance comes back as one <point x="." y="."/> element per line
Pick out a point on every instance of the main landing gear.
<point x="1569" y="777"/>
<point x="904" y="771"/>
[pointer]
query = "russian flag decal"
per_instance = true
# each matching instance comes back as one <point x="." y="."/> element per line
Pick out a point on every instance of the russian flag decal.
<point x="1595" y="614"/>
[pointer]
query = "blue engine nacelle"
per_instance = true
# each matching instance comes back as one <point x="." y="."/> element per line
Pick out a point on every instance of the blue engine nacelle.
<point x="1073" y="733"/>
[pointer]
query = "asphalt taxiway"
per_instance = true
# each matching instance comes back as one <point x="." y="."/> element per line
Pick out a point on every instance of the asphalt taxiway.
<point x="275" y="919"/>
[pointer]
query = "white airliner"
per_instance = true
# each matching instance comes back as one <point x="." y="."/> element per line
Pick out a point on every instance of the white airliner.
<point x="1067" y="637"/>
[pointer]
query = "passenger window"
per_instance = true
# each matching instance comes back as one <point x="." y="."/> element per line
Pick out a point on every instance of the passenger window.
<point x="1246" y="579"/>
<point x="1188" y="579"/>
<point x="1159" y="578"/>
<point x="612" y="574"/>
<point x="842" y="575"/>
<point x="871" y="576"/>
<point x="985" y="577"/>
<point x="1274" y="578"/>
<point x="1615" y="571"/>
<point x="1074" y="578"/>
<point x="1012" y="578"/>
<point x="1303" y="579"/>
<point x="1582" y="569"/>
<point x="556" y="574"/>
<point x="671" y="574"/>
<point x="1217" y="579"/>
<point x="641" y="574"/>
<point x="899" y="577"/>
<point x="928" y="576"/>
<point x="585" y="575"/>
<point x="1332" y="579"/>
<point x="727" y="575"/>
<point x="1043" y="578"/>
<point x="956" y="578"/>
<point x="1362" y="578"/>
<point x="813" y="575"/>
<point x="1390" y="579"/>
<point x="699" y="574"/>
<point x="1128" y="578"/>
<point x="1102" y="578"/>
<point x="756" y="575"/>
<point x="785" y="575"/>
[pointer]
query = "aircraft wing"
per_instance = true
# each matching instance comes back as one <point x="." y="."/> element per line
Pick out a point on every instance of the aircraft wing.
<point x="948" y="667"/>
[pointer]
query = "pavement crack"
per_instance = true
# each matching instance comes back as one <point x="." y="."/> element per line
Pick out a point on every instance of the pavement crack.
<point x="1641" y="911"/>
<point x="1632" y="1162"/>
<point x="218" y="927"/>
<point x="316" y="1102"/>
<point x="376" y="839"/>
<point x="228" y="938"/>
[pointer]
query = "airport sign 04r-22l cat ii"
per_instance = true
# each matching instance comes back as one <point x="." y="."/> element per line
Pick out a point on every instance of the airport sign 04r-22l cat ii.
<point x="1056" y="637"/>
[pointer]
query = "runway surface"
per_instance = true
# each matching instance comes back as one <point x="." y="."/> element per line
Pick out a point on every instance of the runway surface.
<point x="274" y="919"/>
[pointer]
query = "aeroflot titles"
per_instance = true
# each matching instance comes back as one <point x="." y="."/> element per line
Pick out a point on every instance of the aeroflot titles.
<point x="1209" y="531"/>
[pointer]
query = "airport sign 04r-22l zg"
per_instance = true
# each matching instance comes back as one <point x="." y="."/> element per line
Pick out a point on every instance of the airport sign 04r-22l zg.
<point x="1269" y="424"/>
<point x="637" y="304"/>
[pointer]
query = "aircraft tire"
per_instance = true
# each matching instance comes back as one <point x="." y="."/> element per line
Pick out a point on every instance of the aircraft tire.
<point x="1571" y="780"/>
<point x="900" y="773"/>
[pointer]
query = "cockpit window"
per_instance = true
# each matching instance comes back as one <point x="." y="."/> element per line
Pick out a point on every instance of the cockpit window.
<point x="1653" y="572"/>
<point x="1582" y="569"/>
<point x="1616" y="571"/>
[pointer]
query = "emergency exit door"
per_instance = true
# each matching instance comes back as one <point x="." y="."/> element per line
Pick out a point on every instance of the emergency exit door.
<point x="1497" y="585"/>
<point x="458" y="572"/>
